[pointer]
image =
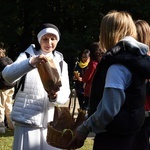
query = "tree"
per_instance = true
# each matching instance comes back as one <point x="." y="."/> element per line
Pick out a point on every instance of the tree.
<point x="78" y="21"/>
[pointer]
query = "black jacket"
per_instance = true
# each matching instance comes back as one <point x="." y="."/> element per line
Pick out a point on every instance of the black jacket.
<point x="131" y="116"/>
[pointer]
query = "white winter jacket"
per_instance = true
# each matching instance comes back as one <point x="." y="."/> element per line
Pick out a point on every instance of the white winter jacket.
<point x="32" y="106"/>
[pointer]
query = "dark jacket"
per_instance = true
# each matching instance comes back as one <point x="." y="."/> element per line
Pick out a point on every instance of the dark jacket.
<point x="78" y="84"/>
<point x="131" y="116"/>
<point x="4" y="61"/>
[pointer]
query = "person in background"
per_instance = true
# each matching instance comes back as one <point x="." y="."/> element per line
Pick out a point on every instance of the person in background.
<point x="142" y="138"/>
<point x="6" y="95"/>
<point x="118" y="87"/>
<point x="79" y="71"/>
<point x="34" y="106"/>
<point x="95" y="56"/>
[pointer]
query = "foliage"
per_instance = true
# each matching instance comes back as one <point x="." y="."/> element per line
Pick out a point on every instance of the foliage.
<point x="78" y="21"/>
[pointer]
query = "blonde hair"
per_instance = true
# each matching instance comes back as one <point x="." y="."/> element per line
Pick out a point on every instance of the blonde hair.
<point x="143" y="31"/>
<point x="115" y="26"/>
<point x="2" y="52"/>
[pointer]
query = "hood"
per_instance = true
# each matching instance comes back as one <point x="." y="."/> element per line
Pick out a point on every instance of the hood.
<point x="134" y="46"/>
<point x="132" y="54"/>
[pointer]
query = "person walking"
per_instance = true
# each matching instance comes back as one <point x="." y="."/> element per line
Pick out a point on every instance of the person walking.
<point x="34" y="107"/>
<point x="118" y="87"/>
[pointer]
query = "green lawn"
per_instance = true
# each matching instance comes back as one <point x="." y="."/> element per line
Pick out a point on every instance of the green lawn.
<point x="6" y="140"/>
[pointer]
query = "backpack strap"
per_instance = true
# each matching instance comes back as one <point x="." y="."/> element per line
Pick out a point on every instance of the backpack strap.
<point x="61" y="65"/>
<point x="22" y="80"/>
<point x="27" y="54"/>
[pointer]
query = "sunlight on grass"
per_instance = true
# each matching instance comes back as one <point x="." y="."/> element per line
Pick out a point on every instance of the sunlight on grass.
<point x="6" y="140"/>
<point x="88" y="145"/>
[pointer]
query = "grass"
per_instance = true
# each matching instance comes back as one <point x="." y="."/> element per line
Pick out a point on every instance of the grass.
<point x="6" y="140"/>
<point x="88" y="145"/>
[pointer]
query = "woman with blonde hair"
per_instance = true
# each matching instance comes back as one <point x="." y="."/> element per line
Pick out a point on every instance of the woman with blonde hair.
<point x="142" y="138"/>
<point x="118" y="87"/>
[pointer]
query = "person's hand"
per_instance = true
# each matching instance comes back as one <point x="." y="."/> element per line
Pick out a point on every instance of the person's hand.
<point x="74" y="78"/>
<point x="76" y="74"/>
<point x="53" y="93"/>
<point x="38" y="59"/>
<point x="77" y="141"/>
<point x="80" y="79"/>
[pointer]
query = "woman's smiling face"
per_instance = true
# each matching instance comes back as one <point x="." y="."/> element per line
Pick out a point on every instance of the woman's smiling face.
<point x="48" y="42"/>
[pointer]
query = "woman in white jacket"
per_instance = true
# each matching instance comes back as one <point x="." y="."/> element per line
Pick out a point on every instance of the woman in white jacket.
<point x="34" y="107"/>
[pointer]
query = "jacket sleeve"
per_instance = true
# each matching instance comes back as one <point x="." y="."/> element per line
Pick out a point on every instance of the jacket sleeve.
<point x="17" y="69"/>
<point x="105" y="112"/>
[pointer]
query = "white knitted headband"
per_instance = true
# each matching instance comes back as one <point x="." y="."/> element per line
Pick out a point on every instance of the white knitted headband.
<point x="46" y="31"/>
